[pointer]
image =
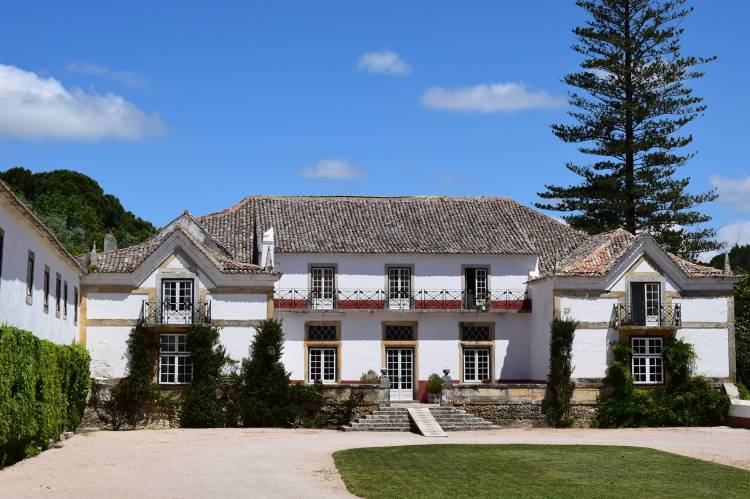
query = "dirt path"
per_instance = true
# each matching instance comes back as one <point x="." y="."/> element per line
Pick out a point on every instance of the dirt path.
<point x="286" y="463"/>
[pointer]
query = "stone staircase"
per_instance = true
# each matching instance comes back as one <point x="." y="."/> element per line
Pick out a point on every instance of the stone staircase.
<point x="397" y="419"/>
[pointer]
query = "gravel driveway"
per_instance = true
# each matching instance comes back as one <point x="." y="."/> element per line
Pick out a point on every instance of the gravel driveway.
<point x="286" y="463"/>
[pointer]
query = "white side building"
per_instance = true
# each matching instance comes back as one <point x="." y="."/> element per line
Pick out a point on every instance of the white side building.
<point x="39" y="279"/>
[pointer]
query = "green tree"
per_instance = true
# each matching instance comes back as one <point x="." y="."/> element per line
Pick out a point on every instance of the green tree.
<point x="76" y="209"/>
<point x="742" y="328"/>
<point x="201" y="407"/>
<point x="266" y="398"/>
<point x="630" y="104"/>
<point x="739" y="258"/>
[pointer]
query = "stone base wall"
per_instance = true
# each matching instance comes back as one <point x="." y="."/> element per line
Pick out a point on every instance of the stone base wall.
<point x="519" y="405"/>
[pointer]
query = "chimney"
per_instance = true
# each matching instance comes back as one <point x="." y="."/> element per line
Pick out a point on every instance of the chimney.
<point x="92" y="255"/>
<point x="267" y="252"/>
<point x="727" y="266"/>
<point x="110" y="243"/>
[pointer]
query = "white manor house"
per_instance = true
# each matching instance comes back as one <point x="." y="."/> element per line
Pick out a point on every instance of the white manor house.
<point x="412" y="285"/>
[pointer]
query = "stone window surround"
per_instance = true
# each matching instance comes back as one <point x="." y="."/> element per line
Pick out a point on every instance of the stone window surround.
<point x="490" y="345"/>
<point x="336" y="344"/>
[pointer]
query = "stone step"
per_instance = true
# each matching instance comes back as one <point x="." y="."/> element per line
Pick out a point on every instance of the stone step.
<point x="396" y="418"/>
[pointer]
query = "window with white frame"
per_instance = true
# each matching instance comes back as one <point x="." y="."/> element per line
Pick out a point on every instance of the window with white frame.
<point x="322" y="281"/>
<point x="476" y="364"/>
<point x="30" y="277"/>
<point x="322" y="365"/>
<point x="175" y="364"/>
<point x="648" y="367"/>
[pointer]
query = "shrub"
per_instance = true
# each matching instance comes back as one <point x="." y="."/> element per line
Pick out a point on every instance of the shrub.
<point x="135" y="400"/>
<point x="686" y="401"/>
<point x="559" y="386"/>
<point x="369" y="378"/>
<point x="201" y="407"/>
<point x="41" y="388"/>
<point x="434" y="384"/>
<point x="744" y="392"/>
<point x="265" y="393"/>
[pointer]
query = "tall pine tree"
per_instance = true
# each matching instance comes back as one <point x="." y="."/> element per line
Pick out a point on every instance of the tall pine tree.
<point x="630" y="103"/>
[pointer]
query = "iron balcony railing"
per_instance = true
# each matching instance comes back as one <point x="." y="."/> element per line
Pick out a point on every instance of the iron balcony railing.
<point x="640" y="315"/>
<point x="423" y="299"/>
<point x="171" y="313"/>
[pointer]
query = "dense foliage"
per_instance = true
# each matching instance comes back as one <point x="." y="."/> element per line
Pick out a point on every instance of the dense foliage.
<point x="630" y="104"/>
<point x="76" y="209"/>
<point x="684" y="401"/>
<point x="134" y="400"/>
<point x="742" y="328"/>
<point x="559" y="386"/>
<point x="265" y="390"/>
<point x="43" y="387"/>
<point x="201" y="407"/>
<point x="739" y="258"/>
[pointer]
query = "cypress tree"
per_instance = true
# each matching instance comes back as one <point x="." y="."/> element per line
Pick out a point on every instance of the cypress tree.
<point x="630" y="104"/>
<point x="266" y="395"/>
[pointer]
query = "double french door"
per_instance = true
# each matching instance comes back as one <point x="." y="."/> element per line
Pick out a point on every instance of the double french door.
<point x="477" y="288"/>
<point x="177" y="301"/>
<point x="399" y="288"/>
<point x="400" y="367"/>
<point x="645" y="301"/>
<point x="322" y="284"/>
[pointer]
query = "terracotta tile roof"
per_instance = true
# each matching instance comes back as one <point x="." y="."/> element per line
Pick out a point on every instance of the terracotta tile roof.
<point x="349" y="224"/>
<point x="599" y="253"/>
<point x="424" y="225"/>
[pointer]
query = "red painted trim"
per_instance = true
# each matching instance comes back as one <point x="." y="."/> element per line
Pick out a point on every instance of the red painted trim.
<point x="289" y="303"/>
<point x="437" y="304"/>
<point x="360" y="304"/>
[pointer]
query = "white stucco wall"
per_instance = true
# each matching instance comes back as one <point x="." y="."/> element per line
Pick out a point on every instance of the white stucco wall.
<point x="587" y="309"/>
<point x="712" y="349"/>
<point x="433" y="272"/>
<point x="237" y="341"/>
<point x="108" y="348"/>
<point x="20" y="237"/>
<point x="590" y="352"/>
<point x="438" y="342"/>
<point x="539" y="333"/>
<point x="239" y="306"/>
<point x="711" y="309"/>
<point x="114" y="305"/>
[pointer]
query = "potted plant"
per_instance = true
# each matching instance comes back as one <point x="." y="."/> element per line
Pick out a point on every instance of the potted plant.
<point x="434" y="388"/>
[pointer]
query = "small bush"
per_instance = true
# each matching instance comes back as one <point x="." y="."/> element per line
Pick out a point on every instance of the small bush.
<point x="434" y="384"/>
<point x="686" y="401"/>
<point x="744" y="392"/>
<point x="369" y="378"/>
<point x="41" y="388"/>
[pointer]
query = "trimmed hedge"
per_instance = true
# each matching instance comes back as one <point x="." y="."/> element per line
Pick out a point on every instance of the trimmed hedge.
<point x="43" y="388"/>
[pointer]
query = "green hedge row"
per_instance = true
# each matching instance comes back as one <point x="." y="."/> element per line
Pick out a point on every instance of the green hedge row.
<point x="43" y="388"/>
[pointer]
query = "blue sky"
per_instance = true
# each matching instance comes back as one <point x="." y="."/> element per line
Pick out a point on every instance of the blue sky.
<point x="174" y="106"/>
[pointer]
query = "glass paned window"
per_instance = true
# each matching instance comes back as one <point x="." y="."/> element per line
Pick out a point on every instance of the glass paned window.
<point x="58" y="293"/>
<point x="30" y="275"/>
<point x="325" y="332"/>
<point x="399" y="333"/>
<point x="647" y="364"/>
<point x="322" y="279"/>
<point x="175" y="364"/>
<point x="65" y="299"/>
<point x="177" y="301"/>
<point x="322" y="365"/>
<point x="475" y="333"/>
<point x="476" y="364"/>
<point x="75" y="305"/>
<point x="399" y="288"/>
<point x="46" y="288"/>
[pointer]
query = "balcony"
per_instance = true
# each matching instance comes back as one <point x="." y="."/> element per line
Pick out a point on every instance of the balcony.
<point x="421" y="300"/>
<point x="624" y="315"/>
<point x="184" y="313"/>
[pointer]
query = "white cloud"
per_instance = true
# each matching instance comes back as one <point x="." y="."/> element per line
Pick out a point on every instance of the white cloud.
<point x="735" y="193"/>
<point x="32" y="107"/>
<point x="128" y="78"/>
<point x="490" y="98"/>
<point x="333" y="169"/>
<point x="385" y="62"/>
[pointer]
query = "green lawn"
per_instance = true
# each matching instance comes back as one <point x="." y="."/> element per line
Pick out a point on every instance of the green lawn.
<point x="534" y="471"/>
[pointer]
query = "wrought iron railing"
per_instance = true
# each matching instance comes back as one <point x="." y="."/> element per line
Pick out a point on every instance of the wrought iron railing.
<point x="640" y="315"/>
<point x="170" y="313"/>
<point x="422" y="299"/>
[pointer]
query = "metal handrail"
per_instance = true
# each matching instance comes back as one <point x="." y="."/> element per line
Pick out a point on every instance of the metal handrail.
<point x="626" y="314"/>
<point x="420" y="299"/>
<point x="169" y="313"/>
